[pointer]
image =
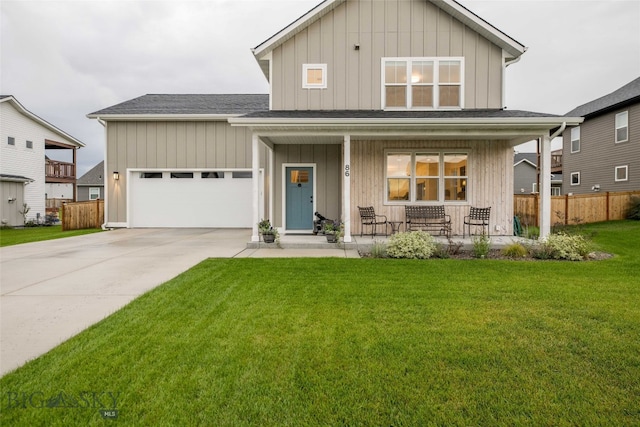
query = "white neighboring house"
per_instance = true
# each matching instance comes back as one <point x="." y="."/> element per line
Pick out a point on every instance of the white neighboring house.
<point x="24" y="173"/>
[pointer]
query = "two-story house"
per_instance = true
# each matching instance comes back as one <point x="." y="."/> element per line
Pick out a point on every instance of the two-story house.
<point x="25" y="170"/>
<point x="371" y="103"/>
<point x="526" y="177"/>
<point x="603" y="153"/>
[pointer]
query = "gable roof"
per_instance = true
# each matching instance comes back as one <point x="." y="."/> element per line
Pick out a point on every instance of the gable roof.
<point x="512" y="47"/>
<point x="530" y="158"/>
<point x="94" y="177"/>
<point x="13" y="101"/>
<point x="626" y="95"/>
<point x="192" y="106"/>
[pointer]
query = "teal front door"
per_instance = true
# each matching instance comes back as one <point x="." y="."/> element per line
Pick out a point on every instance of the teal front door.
<point x="299" y="198"/>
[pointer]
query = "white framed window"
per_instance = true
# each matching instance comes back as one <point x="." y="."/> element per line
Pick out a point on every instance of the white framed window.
<point x="314" y="76"/>
<point x="575" y="139"/>
<point x="94" y="193"/>
<point x="575" y="178"/>
<point x="422" y="83"/>
<point x="622" y="173"/>
<point x="556" y="191"/>
<point x="622" y="127"/>
<point x="426" y="176"/>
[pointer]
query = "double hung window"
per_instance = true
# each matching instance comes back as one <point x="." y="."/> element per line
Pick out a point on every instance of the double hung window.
<point x="622" y="127"/>
<point x="426" y="176"/>
<point x="575" y="139"/>
<point x="422" y="83"/>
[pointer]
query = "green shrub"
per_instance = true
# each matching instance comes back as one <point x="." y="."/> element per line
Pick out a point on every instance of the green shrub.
<point x="411" y="244"/>
<point x="634" y="208"/>
<point x="379" y="250"/>
<point x="563" y="246"/>
<point x="515" y="250"/>
<point x="441" y="252"/>
<point x="481" y="246"/>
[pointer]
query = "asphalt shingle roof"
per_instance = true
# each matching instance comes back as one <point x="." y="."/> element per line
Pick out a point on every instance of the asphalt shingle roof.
<point x="93" y="176"/>
<point x="379" y="114"/>
<point x="189" y="104"/>
<point x="626" y="94"/>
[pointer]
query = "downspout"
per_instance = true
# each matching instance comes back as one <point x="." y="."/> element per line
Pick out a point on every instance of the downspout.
<point x="105" y="175"/>
<point x="559" y="131"/>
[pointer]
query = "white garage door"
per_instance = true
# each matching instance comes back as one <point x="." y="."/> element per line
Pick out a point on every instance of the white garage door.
<point x="190" y="199"/>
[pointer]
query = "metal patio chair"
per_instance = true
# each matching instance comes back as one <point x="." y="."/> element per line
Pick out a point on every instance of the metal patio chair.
<point x="478" y="217"/>
<point x="369" y="218"/>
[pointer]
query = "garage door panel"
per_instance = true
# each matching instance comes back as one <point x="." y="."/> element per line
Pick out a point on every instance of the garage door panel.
<point x="224" y="201"/>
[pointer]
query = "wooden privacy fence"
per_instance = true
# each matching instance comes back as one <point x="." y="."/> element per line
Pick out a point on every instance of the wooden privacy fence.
<point x="80" y="215"/>
<point x="575" y="209"/>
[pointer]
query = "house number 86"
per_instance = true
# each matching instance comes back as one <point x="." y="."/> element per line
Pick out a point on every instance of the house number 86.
<point x="346" y="170"/>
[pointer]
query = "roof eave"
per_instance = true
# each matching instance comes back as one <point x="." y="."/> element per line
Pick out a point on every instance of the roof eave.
<point x="161" y="117"/>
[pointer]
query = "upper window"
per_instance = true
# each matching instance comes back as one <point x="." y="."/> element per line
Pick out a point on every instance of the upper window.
<point x="422" y="83"/>
<point x="622" y="126"/>
<point x="622" y="173"/>
<point x="11" y="140"/>
<point x="424" y="176"/>
<point x="314" y="76"/>
<point x="575" y="139"/>
<point x="94" y="193"/>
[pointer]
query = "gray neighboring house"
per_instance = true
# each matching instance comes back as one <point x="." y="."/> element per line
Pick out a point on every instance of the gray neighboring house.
<point x="525" y="175"/>
<point x="91" y="184"/>
<point x="603" y="154"/>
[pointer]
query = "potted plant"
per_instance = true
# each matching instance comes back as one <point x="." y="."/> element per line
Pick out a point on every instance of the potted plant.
<point x="333" y="231"/>
<point x="269" y="234"/>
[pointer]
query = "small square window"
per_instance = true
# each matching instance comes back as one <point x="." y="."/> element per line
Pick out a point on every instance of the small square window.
<point x="622" y="173"/>
<point x="314" y="76"/>
<point x="622" y="127"/>
<point x="11" y="141"/>
<point x="94" y="193"/>
<point x="29" y="144"/>
<point x="575" y="178"/>
<point x="575" y="139"/>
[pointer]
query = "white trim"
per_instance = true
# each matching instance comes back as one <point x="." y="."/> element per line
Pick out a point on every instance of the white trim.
<point x="571" y="139"/>
<point x="162" y="117"/>
<point x="621" y="114"/>
<point x="346" y="187"/>
<point x="626" y="173"/>
<point x="408" y="85"/>
<point x="571" y="178"/>
<point x="283" y="229"/>
<point x="305" y="81"/>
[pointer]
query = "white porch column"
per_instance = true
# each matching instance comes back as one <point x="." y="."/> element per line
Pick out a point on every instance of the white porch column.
<point x="545" y="186"/>
<point x="255" y="174"/>
<point x="346" y="188"/>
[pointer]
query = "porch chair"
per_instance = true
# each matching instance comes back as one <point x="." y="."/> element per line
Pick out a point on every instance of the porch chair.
<point x="478" y="217"/>
<point x="369" y="218"/>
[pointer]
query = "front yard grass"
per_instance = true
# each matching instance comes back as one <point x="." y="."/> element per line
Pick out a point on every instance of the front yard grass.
<point x="358" y="342"/>
<point x="16" y="236"/>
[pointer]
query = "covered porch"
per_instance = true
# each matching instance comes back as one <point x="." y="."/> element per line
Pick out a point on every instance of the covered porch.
<point x="355" y="170"/>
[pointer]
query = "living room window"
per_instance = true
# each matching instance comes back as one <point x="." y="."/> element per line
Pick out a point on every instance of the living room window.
<point x="426" y="176"/>
<point x="622" y="173"/>
<point x="422" y="83"/>
<point x="314" y="76"/>
<point x="622" y="127"/>
<point x="575" y="139"/>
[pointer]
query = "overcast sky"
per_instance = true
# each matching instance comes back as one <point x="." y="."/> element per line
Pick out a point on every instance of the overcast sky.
<point x="65" y="59"/>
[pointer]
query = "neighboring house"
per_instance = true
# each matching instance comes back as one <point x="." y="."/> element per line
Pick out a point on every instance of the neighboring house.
<point x="371" y="103"/>
<point x="603" y="153"/>
<point x="525" y="174"/>
<point x="91" y="184"/>
<point x="24" y="169"/>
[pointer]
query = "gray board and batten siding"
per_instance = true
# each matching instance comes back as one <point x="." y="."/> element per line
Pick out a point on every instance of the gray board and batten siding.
<point x="381" y="29"/>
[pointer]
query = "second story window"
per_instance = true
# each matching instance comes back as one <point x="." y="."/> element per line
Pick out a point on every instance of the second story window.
<point x="11" y="141"/>
<point x="575" y="139"/>
<point x="314" y="76"/>
<point x="422" y="83"/>
<point x="622" y="126"/>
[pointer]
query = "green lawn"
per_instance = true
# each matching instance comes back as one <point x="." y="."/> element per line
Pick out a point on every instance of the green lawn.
<point x="298" y="342"/>
<point x="16" y="236"/>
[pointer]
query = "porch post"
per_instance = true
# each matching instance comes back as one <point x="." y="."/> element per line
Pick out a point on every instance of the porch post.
<point x="255" y="201"/>
<point x="346" y="188"/>
<point x="545" y="186"/>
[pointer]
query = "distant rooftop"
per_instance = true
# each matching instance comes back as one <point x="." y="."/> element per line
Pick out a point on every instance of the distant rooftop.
<point x="627" y="94"/>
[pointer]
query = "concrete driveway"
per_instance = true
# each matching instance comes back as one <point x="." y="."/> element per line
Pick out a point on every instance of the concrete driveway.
<point x="50" y="291"/>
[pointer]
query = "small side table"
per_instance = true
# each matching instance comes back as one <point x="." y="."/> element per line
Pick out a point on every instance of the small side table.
<point x="395" y="226"/>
